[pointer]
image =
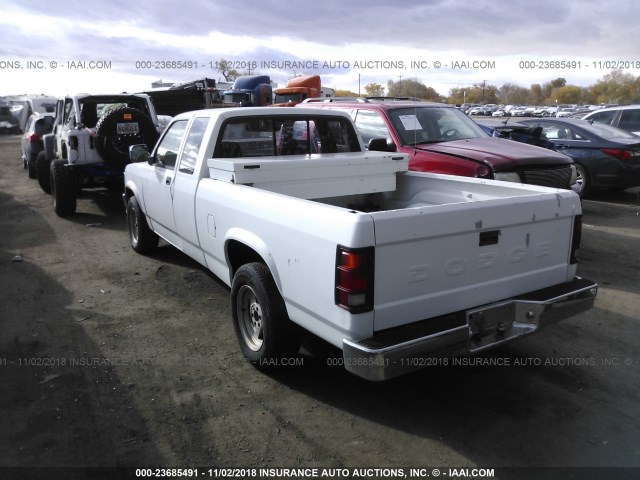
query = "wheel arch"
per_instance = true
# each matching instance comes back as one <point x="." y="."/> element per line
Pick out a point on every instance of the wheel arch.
<point x="242" y="247"/>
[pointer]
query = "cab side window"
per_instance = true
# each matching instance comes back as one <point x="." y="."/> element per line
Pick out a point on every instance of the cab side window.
<point x="169" y="147"/>
<point x="192" y="145"/>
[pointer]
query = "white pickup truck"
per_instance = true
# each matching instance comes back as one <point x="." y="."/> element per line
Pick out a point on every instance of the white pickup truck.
<point x="312" y="232"/>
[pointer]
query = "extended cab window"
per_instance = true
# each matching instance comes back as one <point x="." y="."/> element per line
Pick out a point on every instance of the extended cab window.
<point x="167" y="152"/>
<point x="192" y="145"/>
<point x="282" y="135"/>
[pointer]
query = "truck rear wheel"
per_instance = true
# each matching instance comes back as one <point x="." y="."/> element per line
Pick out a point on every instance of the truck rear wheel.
<point x="63" y="188"/>
<point x="260" y="319"/>
<point x="143" y="239"/>
<point x="43" y="172"/>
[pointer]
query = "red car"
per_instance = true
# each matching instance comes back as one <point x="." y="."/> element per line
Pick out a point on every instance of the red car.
<point x="441" y="139"/>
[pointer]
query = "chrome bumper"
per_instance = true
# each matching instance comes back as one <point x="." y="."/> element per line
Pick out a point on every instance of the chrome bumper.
<point x="401" y="350"/>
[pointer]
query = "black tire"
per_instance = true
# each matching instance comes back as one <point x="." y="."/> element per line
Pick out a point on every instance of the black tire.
<point x="114" y="148"/>
<point x="143" y="239"/>
<point x="63" y="188"/>
<point x="43" y="172"/>
<point x="584" y="179"/>
<point x="260" y="319"/>
<point x="31" y="165"/>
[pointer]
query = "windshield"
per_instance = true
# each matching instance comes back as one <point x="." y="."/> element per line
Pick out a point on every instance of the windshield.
<point x="419" y="125"/>
<point x="237" y="97"/>
<point x="289" y="97"/>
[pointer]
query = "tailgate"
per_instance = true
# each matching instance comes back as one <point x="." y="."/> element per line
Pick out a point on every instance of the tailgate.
<point x="435" y="260"/>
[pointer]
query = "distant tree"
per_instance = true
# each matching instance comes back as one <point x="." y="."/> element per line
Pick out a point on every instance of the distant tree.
<point x="345" y="93"/>
<point x="615" y="87"/>
<point x="374" y="90"/>
<point x="567" y="94"/>
<point x="412" y="88"/>
<point x="228" y="73"/>
<point x="536" y="97"/>
<point x="510" y="94"/>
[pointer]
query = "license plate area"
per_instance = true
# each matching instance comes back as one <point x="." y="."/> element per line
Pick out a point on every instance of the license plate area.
<point x="128" y="128"/>
<point x="498" y="323"/>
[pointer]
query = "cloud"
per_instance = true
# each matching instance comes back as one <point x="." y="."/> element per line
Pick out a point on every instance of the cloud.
<point x="334" y="31"/>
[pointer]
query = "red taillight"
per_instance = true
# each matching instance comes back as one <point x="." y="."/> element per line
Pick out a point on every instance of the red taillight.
<point x="575" y="242"/>
<point x="624" y="155"/>
<point x="34" y="137"/>
<point x="354" y="279"/>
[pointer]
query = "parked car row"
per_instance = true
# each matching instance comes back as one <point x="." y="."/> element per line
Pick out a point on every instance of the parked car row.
<point x="561" y="110"/>
<point x="88" y="144"/>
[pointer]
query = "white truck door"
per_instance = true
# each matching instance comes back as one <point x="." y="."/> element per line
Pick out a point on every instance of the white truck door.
<point x="159" y="179"/>
<point x="185" y="185"/>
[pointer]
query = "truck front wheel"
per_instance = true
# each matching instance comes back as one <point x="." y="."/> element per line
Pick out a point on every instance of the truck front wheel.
<point x="143" y="239"/>
<point x="260" y="319"/>
<point x="63" y="188"/>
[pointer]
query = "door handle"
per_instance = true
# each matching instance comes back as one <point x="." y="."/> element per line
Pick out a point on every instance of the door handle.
<point x="167" y="181"/>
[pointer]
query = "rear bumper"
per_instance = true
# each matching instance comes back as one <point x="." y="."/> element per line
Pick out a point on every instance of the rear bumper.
<point x="401" y="350"/>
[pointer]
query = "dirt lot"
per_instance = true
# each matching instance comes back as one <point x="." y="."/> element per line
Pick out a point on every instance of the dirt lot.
<point x="110" y="358"/>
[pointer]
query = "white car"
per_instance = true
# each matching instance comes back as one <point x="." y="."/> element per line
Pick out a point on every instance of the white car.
<point x="626" y="117"/>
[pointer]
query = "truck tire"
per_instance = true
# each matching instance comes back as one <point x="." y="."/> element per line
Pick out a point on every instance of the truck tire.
<point x="143" y="239"/>
<point x="63" y="188"/>
<point x="260" y="319"/>
<point x="43" y="173"/>
<point x="114" y="148"/>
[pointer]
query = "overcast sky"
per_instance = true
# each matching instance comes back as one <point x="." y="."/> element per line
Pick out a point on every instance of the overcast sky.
<point x="383" y="37"/>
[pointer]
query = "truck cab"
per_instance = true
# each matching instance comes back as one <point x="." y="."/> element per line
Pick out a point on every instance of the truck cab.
<point x="250" y="91"/>
<point x="297" y="90"/>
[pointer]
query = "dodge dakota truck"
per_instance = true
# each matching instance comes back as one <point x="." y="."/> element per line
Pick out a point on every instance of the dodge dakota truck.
<point x="313" y="232"/>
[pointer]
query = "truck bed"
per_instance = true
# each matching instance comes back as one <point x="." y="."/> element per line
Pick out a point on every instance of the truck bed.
<point x="454" y="242"/>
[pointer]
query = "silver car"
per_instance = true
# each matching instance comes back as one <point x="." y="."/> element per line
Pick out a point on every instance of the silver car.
<point x="37" y="126"/>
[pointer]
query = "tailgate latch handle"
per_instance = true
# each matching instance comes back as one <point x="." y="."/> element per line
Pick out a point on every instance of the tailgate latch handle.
<point x="489" y="238"/>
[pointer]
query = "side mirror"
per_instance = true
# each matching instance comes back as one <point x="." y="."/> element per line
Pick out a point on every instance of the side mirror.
<point x="381" y="145"/>
<point x="139" y="153"/>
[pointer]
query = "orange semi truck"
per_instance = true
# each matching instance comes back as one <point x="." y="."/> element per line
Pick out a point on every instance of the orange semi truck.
<point x="298" y="89"/>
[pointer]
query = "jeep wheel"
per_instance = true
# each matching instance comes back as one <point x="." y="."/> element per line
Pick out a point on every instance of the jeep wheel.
<point x="112" y="146"/>
<point x="42" y="172"/>
<point x="63" y="188"/>
<point x="143" y="239"/>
